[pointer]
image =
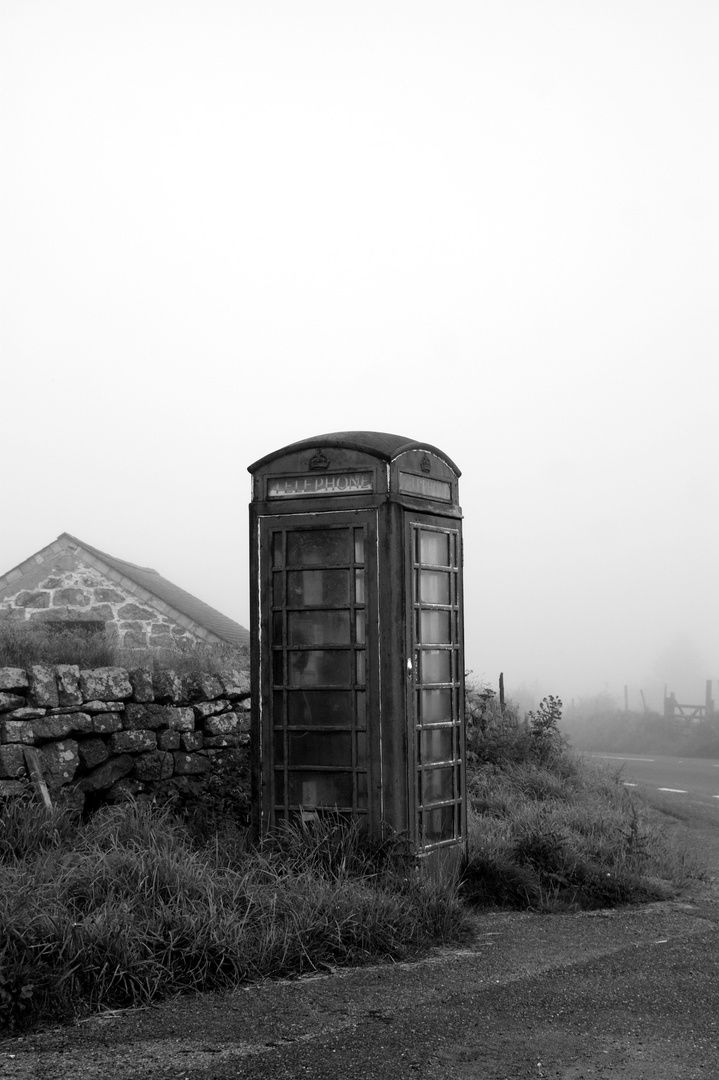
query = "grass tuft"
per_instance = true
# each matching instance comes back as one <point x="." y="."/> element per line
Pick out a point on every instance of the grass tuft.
<point x="126" y="909"/>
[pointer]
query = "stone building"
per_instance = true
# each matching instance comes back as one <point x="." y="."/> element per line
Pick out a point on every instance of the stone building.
<point x="72" y="583"/>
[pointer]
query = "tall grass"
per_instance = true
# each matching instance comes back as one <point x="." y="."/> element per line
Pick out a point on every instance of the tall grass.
<point x="550" y="831"/>
<point x="125" y="909"/>
<point x="23" y="644"/>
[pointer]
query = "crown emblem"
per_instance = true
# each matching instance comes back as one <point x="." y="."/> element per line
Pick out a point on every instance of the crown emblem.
<point x="318" y="461"/>
<point x="424" y="464"/>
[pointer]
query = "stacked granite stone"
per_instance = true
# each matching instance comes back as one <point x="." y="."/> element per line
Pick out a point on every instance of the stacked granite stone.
<point x="115" y="733"/>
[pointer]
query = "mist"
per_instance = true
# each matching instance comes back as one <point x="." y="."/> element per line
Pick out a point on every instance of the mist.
<point x="493" y="227"/>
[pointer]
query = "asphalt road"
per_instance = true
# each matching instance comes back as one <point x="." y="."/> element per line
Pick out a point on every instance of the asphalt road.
<point x="697" y="779"/>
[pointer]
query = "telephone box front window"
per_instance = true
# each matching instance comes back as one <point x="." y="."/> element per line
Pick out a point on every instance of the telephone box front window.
<point x="318" y="631"/>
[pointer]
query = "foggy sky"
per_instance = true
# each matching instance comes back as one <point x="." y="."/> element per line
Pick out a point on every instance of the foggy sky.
<point x="488" y="225"/>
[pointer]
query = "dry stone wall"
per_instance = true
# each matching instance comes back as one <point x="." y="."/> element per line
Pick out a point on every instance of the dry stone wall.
<point x="110" y="733"/>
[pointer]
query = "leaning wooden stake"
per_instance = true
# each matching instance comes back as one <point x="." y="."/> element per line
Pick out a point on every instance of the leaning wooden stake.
<point x="34" y="768"/>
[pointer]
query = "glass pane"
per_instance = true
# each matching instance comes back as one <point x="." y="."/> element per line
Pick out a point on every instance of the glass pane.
<point x="360" y="627"/>
<point x="277" y="670"/>
<point x="319" y="707"/>
<point x="318" y="547"/>
<point x="436" y="745"/>
<point x="435" y="665"/>
<point x="438" y="824"/>
<point x="433" y="587"/>
<point x="277" y="549"/>
<point x="277" y="711"/>
<point x="320" y="748"/>
<point x="359" y="545"/>
<point x="317" y="588"/>
<point x="434" y="626"/>
<point x="359" y="586"/>
<point x="362" y="749"/>
<point x="279" y="747"/>
<point x="362" y="790"/>
<point x="434" y="548"/>
<point x="318" y="628"/>
<point x="437" y="785"/>
<point x="361" y="709"/>
<point x="277" y="627"/>
<point x="279" y="787"/>
<point x="277" y="589"/>
<point x="321" y="788"/>
<point x="319" y="667"/>
<point x="436" y="706"/>
<point x="360" y="666"/>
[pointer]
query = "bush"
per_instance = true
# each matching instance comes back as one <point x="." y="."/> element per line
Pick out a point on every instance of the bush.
<point x="549" y="830"/>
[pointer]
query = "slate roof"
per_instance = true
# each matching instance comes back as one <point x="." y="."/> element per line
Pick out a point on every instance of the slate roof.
<point x="179" y="600"/>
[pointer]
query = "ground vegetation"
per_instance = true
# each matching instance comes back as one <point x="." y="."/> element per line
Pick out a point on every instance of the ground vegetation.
<point x="602" y="725"/>
<point x="23" y="644"/>
<point x="140" y="901"/>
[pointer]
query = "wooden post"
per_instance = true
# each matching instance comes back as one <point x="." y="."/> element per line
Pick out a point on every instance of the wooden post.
<point x="34" y="768"/>
<point x="501" y="691"/>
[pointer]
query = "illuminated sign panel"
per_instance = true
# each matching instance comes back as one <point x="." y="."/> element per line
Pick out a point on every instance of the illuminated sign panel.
<point x="410" y="484"/>
<point x="347" y="483"/>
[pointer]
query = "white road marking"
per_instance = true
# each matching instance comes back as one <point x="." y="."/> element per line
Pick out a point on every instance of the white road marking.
<point x="627" y="784"/>
<point x="618" y="757"/>
<point x="674" y="790"/>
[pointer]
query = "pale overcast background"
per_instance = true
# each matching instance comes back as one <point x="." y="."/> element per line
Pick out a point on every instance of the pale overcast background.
<point x="487" y="224"/>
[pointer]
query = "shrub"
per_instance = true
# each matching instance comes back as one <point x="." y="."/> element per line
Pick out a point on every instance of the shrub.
<point x="544" y="728"/>
<point x="550" y="830"/>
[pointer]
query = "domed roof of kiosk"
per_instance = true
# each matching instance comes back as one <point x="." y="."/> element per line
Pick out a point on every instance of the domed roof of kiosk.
<point x="378" y="443"/>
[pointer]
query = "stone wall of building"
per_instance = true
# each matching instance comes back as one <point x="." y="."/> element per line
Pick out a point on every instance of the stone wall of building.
<point x="70" y="590"/>
<point x="110" y="733"/>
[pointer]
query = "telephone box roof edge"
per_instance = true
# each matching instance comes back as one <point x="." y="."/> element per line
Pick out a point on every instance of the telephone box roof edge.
<point x="379" y="443"/>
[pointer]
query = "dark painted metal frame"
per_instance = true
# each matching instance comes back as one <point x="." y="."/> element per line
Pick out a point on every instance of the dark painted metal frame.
<point x="389" y="513"/>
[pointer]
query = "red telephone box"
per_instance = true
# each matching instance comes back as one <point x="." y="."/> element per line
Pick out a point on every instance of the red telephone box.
<point x="357" y="637"/>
